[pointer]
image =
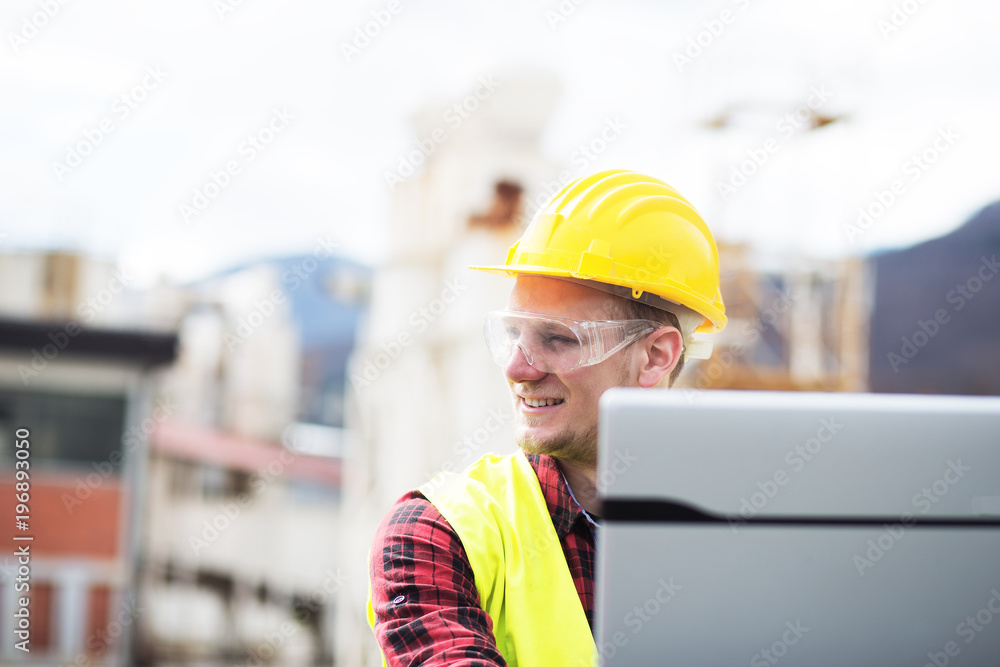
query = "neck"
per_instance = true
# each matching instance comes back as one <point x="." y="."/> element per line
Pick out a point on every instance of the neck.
<point x="582" y="480"/>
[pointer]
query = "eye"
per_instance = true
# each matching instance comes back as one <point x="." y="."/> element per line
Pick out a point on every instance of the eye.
<point x="559" y="341"/>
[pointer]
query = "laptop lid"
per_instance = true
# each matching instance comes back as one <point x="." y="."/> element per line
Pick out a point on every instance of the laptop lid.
<point x="798" y="528"/>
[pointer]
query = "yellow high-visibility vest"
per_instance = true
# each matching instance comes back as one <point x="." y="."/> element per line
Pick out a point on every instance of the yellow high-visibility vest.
<point x="497" y="508"/>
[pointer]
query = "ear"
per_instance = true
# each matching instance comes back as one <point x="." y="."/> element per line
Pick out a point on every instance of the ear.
<point x="660" y="353"/>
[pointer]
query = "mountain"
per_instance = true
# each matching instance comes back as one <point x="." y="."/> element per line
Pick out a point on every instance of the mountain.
<point x="935" y="325"/>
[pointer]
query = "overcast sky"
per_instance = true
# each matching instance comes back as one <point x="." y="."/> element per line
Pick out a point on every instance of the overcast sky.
<point x="115" y="115"/>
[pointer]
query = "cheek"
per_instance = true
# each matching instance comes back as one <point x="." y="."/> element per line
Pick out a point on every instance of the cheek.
<point x="586" y="394"/>
<point x="592" y="381"/>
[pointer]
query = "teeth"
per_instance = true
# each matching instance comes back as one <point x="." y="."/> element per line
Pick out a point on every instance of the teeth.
<point x="541" y="402"/>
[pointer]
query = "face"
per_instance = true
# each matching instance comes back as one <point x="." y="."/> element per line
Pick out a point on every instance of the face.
<point x="568" y="428"/>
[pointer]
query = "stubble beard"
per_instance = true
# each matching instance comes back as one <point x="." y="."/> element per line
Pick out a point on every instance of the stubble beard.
<point x="580" y="448"/>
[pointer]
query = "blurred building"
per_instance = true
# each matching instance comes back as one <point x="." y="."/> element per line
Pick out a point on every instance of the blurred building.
<point x="192" y="512"/>
<point x="82" y="393"/>
<point x="795" y="324"/>
<point x="239" y="559"/>
<point x="242" y="555"/>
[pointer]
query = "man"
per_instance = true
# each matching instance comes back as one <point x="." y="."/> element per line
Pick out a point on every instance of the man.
<point x="495" y="566"/>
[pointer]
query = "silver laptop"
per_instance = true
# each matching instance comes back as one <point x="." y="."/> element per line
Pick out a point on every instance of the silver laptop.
<point x="771" y="528"/>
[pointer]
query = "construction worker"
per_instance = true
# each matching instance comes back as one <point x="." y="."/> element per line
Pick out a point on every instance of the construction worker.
<point x="495" y="565"/>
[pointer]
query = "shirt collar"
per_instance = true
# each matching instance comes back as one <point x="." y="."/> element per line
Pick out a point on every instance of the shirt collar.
<point x="564" y="510"/>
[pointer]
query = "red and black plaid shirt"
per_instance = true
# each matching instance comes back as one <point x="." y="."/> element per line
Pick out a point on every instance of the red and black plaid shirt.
<point x="424" y="591"/>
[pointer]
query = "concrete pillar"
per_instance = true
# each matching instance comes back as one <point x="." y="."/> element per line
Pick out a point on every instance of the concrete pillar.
<point x="70" y="613"/>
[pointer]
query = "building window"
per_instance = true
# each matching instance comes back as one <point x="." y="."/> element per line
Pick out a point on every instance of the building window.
<point x="40" y="608"/>
<point x="223" y="482"/>
<point x="67" y="430"/>
<point x="184" y="482"/>
<point x="190" y="479"/>
<point x="99" y="641"/>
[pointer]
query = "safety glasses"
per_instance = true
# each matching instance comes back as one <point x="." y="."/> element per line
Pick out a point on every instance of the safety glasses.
<point x="559" y="344"/>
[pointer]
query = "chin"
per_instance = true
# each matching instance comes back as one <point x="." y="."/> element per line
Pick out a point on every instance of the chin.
<point x="576" y="447"/>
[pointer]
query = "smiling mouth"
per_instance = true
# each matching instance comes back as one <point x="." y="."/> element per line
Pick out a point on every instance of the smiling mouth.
<point x="541" y="402"/>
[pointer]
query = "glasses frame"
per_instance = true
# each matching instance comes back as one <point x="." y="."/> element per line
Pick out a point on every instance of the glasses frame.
<point x="590" y="333"/>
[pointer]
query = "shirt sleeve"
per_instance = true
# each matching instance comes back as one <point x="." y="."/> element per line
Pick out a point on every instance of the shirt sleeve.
<point x="427" y="609"/>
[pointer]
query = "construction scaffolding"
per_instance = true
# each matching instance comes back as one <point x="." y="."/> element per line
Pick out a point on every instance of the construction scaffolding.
<point x="795" y="324"/>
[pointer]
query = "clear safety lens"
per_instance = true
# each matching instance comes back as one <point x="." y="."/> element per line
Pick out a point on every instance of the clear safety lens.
<point x="558" y="345"/>
<point x="547" y="344"/>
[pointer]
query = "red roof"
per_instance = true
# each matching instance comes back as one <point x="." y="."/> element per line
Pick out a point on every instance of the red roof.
<point x="206" y="445"/>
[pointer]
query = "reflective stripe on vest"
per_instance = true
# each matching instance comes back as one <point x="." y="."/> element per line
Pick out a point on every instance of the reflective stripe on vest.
<point x="497" y="509"/>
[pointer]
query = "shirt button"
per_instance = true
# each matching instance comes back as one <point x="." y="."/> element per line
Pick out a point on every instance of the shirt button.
<point x="399" y="599"/>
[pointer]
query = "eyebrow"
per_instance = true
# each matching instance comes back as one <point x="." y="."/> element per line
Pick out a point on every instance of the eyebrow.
<point x="546" y="327"/>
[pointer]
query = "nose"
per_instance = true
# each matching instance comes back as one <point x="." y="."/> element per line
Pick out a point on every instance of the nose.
<point x="518" y="369"/>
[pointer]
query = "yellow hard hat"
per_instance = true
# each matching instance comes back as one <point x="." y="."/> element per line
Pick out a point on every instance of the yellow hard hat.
<point x="629" y="230"/>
